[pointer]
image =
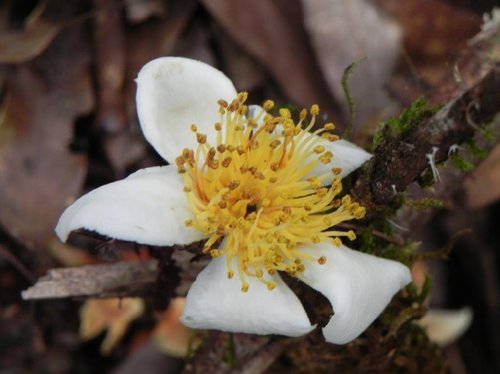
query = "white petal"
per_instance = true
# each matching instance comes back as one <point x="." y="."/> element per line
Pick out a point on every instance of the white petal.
<point x="346" y="156"/>
<point x="359" y="286"/>
<point x="147" y="207"/>
<point x="172" y="94"/>
<point x="444" y="326"/>
<point x="216" y="302"/>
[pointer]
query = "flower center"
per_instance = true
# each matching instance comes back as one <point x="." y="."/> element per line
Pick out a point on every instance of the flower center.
<point x="254" y="189"/>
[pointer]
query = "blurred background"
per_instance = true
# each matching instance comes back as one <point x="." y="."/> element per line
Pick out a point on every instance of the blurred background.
<point x="68" y="124"/>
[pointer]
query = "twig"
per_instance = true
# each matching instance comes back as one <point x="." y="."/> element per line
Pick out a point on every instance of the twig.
<point x="114" y="280"/>
<point x="399" y="162"/>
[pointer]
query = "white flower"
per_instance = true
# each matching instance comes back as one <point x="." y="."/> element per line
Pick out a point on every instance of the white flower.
<point x="263" y="192"/>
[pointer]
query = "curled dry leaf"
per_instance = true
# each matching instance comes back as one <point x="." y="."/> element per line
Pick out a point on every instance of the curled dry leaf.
<point x="445" y="326"/>
<point x="113" y="315"/>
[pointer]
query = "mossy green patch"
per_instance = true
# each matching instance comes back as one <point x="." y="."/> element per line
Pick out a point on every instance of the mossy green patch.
<point x="408" y="120"/>
<point x="424" y="204"/>
<point x="460" y="163"/>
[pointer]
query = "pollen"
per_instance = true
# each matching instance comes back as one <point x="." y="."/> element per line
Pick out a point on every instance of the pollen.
<point x="252" y="194"/>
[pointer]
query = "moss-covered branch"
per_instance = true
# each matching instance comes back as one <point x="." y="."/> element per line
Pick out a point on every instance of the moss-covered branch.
<point x="401" y="160"/>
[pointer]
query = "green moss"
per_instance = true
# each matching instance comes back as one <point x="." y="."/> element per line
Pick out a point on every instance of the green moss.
<point x="405" y="254"/>
<point x="368" y="241"/>
<point x="461" y="163"/>
<point x="408" y="120"/>
<point x="489" y="133"/>
<point x="476" y="150"/>
<point x="424" y="204"/>
<point x="420" y="296"/>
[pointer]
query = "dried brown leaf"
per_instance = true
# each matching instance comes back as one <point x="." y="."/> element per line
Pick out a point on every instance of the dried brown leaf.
<point x="345" y="32"/>
<point x="273" y="32"/>
<point x="17" y="47"/>
<point x="434" y="31"/>
<point x="38" y="174"/>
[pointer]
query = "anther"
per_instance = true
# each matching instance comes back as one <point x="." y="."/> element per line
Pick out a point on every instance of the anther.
<point x="226" y="162"/>
<point x="351" y="235"/>
<point x="321" y="192"/>
<point x="211" y="153"/>
<point x="213" y="164"/>
<point x="322" y="260"/>
<point x="233" y="185"/>
<point x="330" y="137"/>
<point x="271" y="285"/>
<point x="222" y="103"/>
<point x="242" y="96"/>
<point x="268" y="105"/>
<point x="319" y="149"/>
<point x="194" y="128"/>
<point x="201" y="138"/>
<point x="315" y="109"/>
<point x="244" y="287"/>
<point x="285" y="113"/>
<point x="179" y="161"/>
<point x="215" y="253"/>
<point x="235" y="104"/>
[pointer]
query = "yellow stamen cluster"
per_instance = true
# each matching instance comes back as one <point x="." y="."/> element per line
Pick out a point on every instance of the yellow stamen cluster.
<point x="253" y="188"/>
